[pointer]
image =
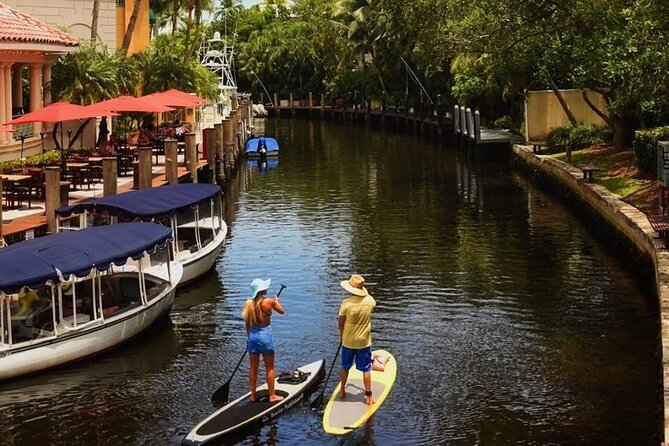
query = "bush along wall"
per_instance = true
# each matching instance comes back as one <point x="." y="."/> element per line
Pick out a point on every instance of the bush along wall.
<point x="645" y="148"/>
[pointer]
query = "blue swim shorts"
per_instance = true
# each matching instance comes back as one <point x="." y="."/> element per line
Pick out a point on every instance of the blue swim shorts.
<point x="260" y="340"/>
<point x="362" y="356"/>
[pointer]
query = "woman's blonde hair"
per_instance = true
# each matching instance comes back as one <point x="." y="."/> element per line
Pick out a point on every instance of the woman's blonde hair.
<point x="252" y="312"/>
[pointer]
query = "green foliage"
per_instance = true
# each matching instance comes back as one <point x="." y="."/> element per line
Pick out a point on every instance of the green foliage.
<point x="507" y="122"/>
<point x="644" y="147"/>
<point x="586" y="135"/>
<point x="51" y="157"/>
<point x="558" y="140"/>
<point x="86" y="76"/>
<point x="577" y="137"/>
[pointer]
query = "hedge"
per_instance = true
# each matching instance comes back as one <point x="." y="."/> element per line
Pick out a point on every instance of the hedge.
<point x="644" y="147"/>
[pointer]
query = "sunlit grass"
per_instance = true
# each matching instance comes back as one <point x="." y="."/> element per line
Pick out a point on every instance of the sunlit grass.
<point x="586" y="157"/>
<point x="621" y="186"/>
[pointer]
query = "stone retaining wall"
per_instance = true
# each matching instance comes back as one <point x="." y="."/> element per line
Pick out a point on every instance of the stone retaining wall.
<point x="629" y="221"/>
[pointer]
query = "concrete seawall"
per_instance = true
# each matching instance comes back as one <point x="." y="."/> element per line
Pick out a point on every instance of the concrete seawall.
<point x="630" y="222"/>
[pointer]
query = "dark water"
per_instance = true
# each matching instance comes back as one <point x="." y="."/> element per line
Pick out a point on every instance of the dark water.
<point x="510" y="322"/>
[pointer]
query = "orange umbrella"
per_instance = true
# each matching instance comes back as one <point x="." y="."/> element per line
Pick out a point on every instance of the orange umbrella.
<point x="167" y="100"/>
<point x="178" y="94"/>
<point x="128" y="104"/>
<point x="56" y="112"/>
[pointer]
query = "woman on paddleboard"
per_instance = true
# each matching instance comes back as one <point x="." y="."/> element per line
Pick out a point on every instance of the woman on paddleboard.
<point x="355" y="330"/>
<point x="257" y="314"/>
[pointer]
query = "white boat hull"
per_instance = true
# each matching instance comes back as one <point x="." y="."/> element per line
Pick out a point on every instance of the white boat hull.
<point x="198" y="263"/>
<point x="89" y="338"/>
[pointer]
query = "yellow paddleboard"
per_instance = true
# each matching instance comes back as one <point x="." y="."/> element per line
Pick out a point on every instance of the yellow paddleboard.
<point x="341" y="416"/>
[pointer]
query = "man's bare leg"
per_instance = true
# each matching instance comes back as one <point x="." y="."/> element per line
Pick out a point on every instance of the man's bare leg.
<point x="367" y="380"/>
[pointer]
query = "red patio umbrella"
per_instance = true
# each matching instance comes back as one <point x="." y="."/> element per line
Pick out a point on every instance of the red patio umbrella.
<point x="128" y="104"/>
<point x="56" y="112"/>
<point x="169" y="101"/>
<point x="178" y="94"/>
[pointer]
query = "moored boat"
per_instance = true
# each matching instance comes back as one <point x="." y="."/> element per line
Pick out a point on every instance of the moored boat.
<point x="67" y="296"/>
<point x="261" y="147"/>
<point x="193" y="211"/>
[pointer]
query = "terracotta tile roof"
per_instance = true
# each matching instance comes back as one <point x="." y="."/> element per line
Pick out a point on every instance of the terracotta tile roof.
<point x="17" y="26"/>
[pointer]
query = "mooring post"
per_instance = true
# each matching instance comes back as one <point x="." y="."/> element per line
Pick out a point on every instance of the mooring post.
<point x="145" y="177"/>
<point x="109" y="176"/>
<point x="192" y="157"/>
<point x="52" y="196"/>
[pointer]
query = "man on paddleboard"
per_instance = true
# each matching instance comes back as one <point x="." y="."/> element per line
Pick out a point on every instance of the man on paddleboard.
<point x="355" y="331"/>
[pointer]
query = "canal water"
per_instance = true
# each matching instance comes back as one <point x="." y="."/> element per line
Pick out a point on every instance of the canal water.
<point x="510" y="322"/>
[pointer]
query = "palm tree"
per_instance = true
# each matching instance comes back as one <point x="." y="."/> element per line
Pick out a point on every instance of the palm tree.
<point x="84" y="77"/>
<point x="131" y="26"/>
<point x="94" y="21"/>
<point x="365" y="24"/>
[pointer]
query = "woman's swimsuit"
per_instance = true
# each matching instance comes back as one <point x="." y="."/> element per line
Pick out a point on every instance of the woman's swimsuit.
<point x="260" y="337"/>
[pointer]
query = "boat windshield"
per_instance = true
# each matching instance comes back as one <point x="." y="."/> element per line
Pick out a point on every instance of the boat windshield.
<point x="26" y="314"/>
<point x="31" y="315"/>
<point x="188" y="229"/>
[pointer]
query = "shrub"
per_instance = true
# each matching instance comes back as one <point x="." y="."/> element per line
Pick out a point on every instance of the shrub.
<point x="558" y="140"/>
<point x="503" y="122"/>
<point x="644" y="147"/>
<point x="577" y="137"/>
<point x="585" y="135"/>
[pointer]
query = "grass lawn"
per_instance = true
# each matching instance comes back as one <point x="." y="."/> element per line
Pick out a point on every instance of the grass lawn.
<point x="618" y="172"/>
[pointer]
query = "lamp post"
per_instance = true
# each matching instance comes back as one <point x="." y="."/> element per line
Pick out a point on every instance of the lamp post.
<point x="23" y="138"/>
<point x="41" y="135"/>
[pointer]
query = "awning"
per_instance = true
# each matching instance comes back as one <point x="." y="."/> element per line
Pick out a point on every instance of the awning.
<point x="34" y="262"/>
<point x="149" y="203"/>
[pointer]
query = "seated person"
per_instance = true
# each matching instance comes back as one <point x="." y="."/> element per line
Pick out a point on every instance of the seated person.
<point x="29" y="301"/>
<point x="108" y="148"/>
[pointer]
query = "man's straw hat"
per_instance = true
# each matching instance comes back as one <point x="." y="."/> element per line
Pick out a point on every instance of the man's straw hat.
<point x="354" y="285"/>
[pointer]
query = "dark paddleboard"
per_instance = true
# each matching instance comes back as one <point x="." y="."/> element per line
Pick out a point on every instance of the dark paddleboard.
<point x="242" y="413"/>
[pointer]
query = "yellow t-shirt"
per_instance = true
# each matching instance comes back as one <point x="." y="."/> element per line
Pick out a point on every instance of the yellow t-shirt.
<point x="358" y="324"/>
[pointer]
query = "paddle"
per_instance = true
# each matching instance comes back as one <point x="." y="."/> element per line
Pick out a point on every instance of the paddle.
<point x="317" y="403"/>
<point x="221" y="394"/>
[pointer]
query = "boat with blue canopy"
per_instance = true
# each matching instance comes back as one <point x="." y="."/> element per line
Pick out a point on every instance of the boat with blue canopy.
<point x="193" y="212"/>
<point x="262" y="147"/>
<point x="70" y="295"/>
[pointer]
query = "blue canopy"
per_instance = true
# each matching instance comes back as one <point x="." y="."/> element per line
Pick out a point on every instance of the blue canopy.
<point x="271" y="144"/>
<point x="147" y="203"/>
<point x="34" y="262"/>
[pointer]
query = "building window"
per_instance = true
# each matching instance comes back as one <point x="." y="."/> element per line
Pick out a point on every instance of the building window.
<point x="120" y="2"/>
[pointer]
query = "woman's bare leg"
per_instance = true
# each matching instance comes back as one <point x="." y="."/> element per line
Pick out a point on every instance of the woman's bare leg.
<point x="253" y="373"/>
<point x="269" y="370"/>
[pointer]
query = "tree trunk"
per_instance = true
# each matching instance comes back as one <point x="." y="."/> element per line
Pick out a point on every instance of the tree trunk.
<point x="594" y="108"/>
<point x="619" y="121"/>
<point x="78" y="133"/>
<point x="563" y="103"/>
<point x="131" y="27"/>
<point x="94" y="22"/>
<point x="175" y="17"/>
<point x="198" y="28"/>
